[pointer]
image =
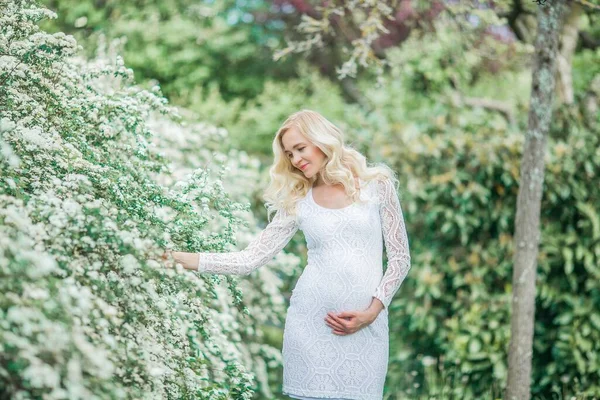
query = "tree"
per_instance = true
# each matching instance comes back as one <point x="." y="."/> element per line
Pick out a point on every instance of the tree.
<point x="527" y="232"/>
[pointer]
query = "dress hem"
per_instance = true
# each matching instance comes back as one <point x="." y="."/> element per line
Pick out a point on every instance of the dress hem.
<point x="323" y="395"/>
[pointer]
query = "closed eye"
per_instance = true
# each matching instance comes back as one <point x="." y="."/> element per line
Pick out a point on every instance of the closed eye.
<point x="290" y="154"/>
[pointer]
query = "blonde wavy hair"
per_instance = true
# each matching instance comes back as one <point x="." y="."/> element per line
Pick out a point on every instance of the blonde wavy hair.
<point x="342" y="163"/>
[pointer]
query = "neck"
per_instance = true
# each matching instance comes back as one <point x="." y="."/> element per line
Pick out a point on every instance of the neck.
<point x="318" y="181"/>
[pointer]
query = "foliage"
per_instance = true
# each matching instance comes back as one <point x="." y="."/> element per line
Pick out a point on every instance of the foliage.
<point x="184" y="45"/>
<point x="85" y="308"/>
<point x="253" y="126"/>
<point x="87" y="202"/>
<point x="257" y="321"/>
<point x="459" y="165"/>
<point x="369" y="18"/>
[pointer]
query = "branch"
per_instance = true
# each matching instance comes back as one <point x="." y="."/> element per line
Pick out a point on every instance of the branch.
<point x="350" y="90"/>
<point x="9" y="73"/>
<point x="488" y="104"/>
<point x="512" y="18"/>
<point x="587" y="4"/>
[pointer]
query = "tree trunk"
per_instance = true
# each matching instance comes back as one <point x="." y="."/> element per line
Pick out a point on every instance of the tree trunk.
<point x="568" y="43"/>
<point x="527" y="231"/>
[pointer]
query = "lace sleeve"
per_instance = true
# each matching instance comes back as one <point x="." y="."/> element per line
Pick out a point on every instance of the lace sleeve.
<point x="396" y="242"/>
<point x="258" y="252"/>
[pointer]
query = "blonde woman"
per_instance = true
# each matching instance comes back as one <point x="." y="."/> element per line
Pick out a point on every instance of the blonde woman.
<point x="336" y="339"/>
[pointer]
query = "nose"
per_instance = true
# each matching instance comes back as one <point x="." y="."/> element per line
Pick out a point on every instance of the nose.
<point x="297" y="161"/>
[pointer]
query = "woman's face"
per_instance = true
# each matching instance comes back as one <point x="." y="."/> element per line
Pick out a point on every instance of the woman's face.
<point x="303" y="155"/>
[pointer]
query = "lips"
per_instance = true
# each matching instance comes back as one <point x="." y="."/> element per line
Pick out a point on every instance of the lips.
<point x="303" y="166"/>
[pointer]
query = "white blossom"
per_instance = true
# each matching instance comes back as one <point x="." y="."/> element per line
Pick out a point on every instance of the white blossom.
<point x="81" y="240"/>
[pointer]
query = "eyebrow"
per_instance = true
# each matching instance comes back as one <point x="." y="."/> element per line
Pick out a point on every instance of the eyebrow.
<point x="296" y="145"/>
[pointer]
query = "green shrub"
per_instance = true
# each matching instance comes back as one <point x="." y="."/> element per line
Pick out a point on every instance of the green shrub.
<point x="87" y="205"/>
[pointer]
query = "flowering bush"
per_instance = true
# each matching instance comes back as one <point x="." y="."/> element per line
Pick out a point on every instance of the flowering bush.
<point x="86" y="207"/>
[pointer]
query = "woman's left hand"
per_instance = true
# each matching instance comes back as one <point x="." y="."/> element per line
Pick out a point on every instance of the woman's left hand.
<point x="348" y="322"/>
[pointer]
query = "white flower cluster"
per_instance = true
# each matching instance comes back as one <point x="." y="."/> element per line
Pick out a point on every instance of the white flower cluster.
<point x="194" y="147"/>
<point x="85" y="211"/>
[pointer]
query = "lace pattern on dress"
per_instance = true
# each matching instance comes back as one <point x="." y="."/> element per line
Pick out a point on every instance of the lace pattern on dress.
<point x="259" y="251"/>
<point x="396" y="242"/>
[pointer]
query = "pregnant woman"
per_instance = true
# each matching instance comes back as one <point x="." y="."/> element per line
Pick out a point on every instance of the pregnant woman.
<point x="336" y="338"/>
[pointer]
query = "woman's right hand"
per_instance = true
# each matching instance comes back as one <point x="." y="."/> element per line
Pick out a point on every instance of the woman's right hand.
<point x="187" y="260"/>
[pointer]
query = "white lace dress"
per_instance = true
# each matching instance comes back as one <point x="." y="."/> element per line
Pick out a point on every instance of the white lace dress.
<point x="343" y="273"/>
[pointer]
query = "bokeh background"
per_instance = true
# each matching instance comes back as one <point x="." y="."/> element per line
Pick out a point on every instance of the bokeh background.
<point x="128" y="126"/>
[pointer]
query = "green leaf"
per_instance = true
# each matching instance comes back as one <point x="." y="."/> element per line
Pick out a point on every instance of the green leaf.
<point x="595" y="320"/>
<point x="591" y="213"/>
<point x="474" y="345"/>
<point x="500" y="371"/>
<point x="564" y="319"/>
<point x="568" y="256"/>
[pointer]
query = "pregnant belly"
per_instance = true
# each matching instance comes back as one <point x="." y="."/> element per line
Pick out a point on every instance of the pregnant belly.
<point x="320" y="297"/>
<point x="340" y="286"/>
<point x="305" y="319"/>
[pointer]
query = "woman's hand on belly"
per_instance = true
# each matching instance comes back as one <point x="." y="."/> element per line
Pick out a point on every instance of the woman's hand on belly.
<point x="348" y="322"/>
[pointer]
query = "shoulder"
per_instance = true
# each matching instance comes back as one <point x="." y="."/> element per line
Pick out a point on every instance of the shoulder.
<point x="370" y="191"/>
<point x="382" y="182"/>
<point x="386" y="188"/>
